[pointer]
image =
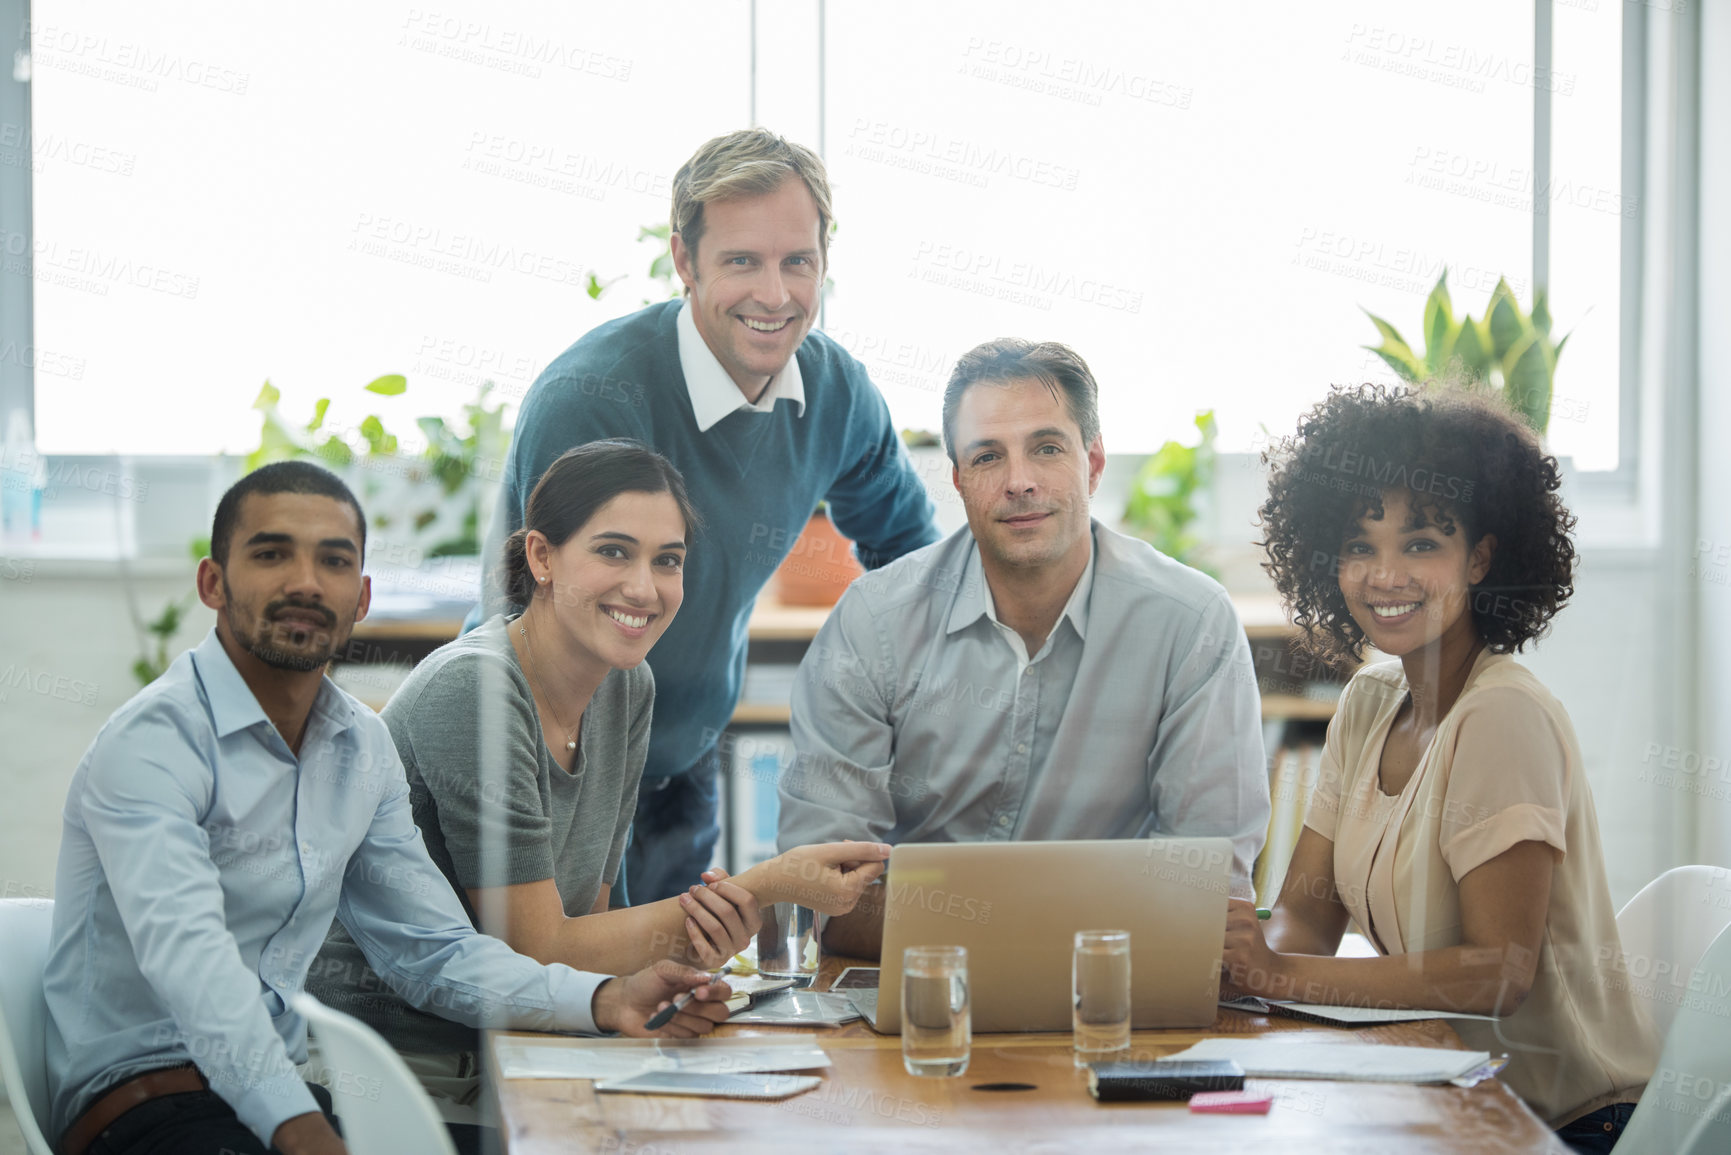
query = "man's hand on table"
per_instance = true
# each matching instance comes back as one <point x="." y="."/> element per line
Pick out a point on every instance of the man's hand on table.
<point x="626" y="1004"/>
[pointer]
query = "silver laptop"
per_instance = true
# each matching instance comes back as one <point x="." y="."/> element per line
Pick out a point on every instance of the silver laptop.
<point x="1016" y="906"/>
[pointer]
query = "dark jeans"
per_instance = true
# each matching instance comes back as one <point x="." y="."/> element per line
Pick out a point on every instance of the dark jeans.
<point x="194" y="1123"/>
<point x="1597" y="1133"/>
<point x="674" y="834"/>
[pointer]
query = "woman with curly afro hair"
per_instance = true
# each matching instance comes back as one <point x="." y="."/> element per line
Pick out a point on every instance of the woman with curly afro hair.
<point x="1451" y="820"/>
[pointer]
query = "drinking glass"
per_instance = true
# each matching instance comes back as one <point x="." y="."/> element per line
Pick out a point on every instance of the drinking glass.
<point x="1100" y="978"/>
<point x="787" y="944"/>
<point x="937" y="1029"/>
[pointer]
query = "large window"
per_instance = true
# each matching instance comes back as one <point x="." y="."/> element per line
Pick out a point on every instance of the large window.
<point x="1200" y="202"/>
<point x="328" y="192"/>
<point x="1587" y="208"/>
<point x="1200" y="198"/>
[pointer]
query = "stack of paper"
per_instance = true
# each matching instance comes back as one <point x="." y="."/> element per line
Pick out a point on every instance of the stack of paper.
<point x="799" y="1009"/>
<point x="1350" y="1062"/>
<point x="573" y="1058"/>
<point x="1343" y="1016"/>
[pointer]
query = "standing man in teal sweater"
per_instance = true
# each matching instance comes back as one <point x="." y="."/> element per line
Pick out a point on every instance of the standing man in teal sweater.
<point x="763" y="416"/>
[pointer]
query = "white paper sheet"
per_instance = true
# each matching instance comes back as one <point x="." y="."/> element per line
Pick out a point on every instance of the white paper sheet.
<point x="1351" y="1062"/>
<point x="799" y="1009"/>
<point x="621" y="1058"/>
<point x="1354" y="1016"/>
<point x="1345" y="1016"/>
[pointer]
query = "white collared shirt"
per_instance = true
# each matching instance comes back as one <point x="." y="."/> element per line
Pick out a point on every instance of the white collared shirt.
<point x="713" y="393"/>
<point x="967" y="609"/>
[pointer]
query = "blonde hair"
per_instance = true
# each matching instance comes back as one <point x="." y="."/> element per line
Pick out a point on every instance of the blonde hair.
<point x="750" y="162"/>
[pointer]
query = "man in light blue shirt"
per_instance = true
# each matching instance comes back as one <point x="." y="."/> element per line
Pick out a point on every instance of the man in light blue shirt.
<point x="219" y="821"/>
<point x="1033" y="676"/>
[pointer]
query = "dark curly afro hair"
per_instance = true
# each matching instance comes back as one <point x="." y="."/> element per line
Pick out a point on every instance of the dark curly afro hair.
<point x="1465" y="459"/>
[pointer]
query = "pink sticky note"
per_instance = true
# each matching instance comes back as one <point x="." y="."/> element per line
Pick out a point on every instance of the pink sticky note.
<point x="1231" y="1103"/>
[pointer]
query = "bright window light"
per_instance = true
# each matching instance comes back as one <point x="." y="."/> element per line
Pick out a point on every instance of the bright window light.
<point x="329" y="192"/>
<point x="1201" y="201"/>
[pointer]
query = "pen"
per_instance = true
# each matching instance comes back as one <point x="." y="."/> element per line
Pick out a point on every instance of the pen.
<point x="665" y="1015"/>
<point x="1264" y="913"/>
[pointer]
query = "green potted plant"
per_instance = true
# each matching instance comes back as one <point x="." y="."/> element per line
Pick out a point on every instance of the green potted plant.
<point x="1167" y="492"/>
<point x="1508" y="350"/>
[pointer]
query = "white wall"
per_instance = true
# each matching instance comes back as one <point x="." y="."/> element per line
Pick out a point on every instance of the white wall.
<point x="66" y="648"/>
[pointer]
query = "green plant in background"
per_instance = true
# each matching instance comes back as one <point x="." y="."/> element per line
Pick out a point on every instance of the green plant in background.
<point x="459" y="457"/>
<point x="458" y="454"/>
<point x="455" y="454"/>
<point x="1507" y="351"/>
<point x="153" y="663"/>
<point x="155" y="636"/>
<point x="280" y="440"/>
<point x="661" y="269"/>
<point x="1163" y="495"/>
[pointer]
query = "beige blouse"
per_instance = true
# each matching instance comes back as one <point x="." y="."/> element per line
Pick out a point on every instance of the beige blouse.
<point x="1503" y="768"/>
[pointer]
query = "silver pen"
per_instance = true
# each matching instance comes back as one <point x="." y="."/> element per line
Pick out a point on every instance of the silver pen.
<point x="665" y="1015"/>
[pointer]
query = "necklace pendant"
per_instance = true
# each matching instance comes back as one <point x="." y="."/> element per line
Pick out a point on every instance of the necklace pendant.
<point x="571" y="745"/>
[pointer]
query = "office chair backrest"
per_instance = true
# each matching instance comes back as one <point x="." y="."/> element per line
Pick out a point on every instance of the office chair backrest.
<point x="1712" y="1133"/>
<point x="1665" y="929"/>
<point x="383" y="1109"/>
<point x="24" y="926"/>
<point x="1694" y="1071"/>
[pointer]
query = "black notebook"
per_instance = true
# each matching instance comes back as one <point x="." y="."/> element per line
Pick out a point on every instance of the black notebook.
<point x="1162" y="1079"/>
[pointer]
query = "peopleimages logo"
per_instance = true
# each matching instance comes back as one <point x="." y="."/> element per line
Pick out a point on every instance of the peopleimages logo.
<point x="122" y="62"/>
<point x="935" y="900"/>
<point x="61" y="687"/>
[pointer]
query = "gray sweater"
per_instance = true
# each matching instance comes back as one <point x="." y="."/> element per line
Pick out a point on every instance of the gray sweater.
<point x="494" y="808"/>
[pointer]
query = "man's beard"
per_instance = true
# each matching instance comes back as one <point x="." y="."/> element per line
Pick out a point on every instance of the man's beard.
<point x="278" y="658"/>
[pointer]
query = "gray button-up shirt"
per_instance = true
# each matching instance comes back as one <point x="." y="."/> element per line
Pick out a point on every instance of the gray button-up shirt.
<point x="918" y="717"/>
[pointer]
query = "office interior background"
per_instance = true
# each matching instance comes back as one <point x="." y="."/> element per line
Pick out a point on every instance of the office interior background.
<point x="1204" y="200"/>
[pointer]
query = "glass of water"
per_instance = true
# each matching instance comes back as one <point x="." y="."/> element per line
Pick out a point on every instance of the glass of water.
<point x="937" y="1028"/>
<point x="787" y="946"/>
<point x="1100" y="978"/>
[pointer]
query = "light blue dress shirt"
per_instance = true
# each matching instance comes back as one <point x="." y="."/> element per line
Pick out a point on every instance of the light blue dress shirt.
<point x="200" y="866"/>
<point x="919" y="717"/>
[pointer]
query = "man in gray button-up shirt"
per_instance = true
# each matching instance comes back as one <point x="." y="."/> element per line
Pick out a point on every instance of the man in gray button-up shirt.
<point x="1033" y="676"/>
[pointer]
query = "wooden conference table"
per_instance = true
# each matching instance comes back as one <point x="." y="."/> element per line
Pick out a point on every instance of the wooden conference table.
<point x="869" y="1103"/>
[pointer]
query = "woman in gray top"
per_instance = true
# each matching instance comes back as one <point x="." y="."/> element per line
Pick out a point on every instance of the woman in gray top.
<point x="524" y="741"/>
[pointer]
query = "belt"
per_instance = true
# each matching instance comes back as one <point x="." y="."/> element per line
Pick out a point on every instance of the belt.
<point x="124" y="1097"/>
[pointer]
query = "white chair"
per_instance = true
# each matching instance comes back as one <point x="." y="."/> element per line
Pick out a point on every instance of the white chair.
<point x="1685" y="1100"/>
<point x="383" y="1109"/>
<point x="24" y="1014"/>
<point x="1664" y="930"/>
<point x="1712" y="1135"/>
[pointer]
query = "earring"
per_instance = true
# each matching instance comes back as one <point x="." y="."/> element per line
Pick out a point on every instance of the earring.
<point x="540" y="579"/>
